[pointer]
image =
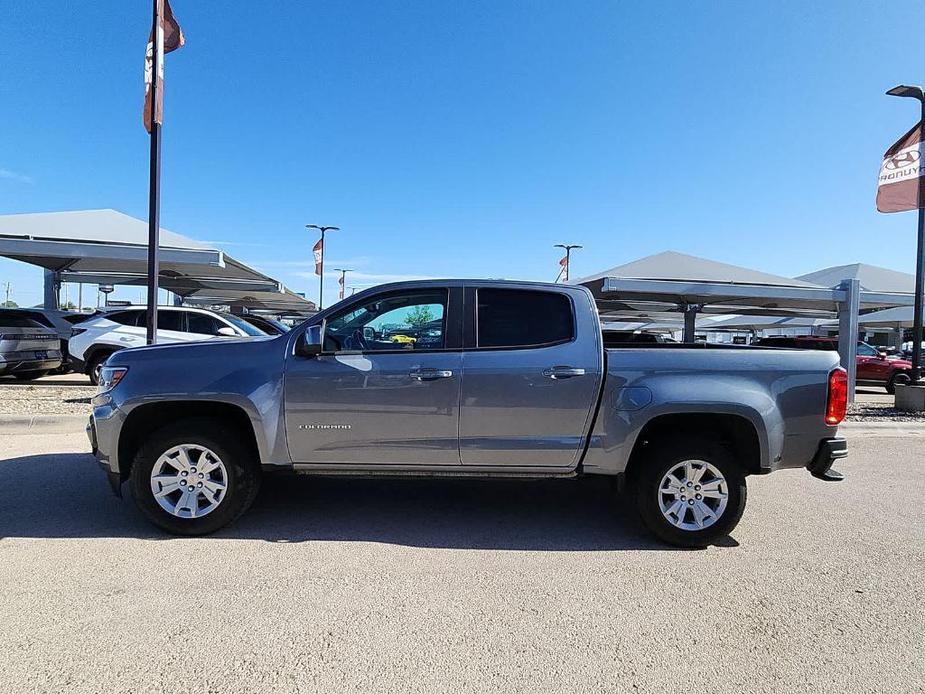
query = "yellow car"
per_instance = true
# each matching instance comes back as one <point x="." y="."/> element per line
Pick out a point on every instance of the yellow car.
<point x="403" y="339"/>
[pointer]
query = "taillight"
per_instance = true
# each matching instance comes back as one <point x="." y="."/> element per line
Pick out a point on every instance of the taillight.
<point x="837" y="403"/>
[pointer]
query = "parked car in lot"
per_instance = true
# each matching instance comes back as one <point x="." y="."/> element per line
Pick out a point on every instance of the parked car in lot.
<point x="873" y="367"/>
<point x="62" y="322"/>
<point x="28" y="349"/>
<point x="94" y="340"/>
<point x="517" y="383"/>
<point x="270" y="326"/>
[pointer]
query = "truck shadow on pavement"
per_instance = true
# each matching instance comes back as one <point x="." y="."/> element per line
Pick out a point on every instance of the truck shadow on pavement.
<point x="67" y="496"/>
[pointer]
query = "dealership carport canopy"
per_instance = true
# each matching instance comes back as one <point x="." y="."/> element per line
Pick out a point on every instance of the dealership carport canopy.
<point x="108" y="247"/>
<point x="670" y="283"/>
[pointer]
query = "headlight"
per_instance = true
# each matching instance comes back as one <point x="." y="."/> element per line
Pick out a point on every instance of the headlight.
<point x="110" y="377"/>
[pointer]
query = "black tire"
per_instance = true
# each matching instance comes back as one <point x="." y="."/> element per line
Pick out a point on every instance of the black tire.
<point x="897" y="378"/>
<point x="239" y="458"/>
<point x="659" y="461"/>
<point x="29" y="375"/>
<point x="94" y="365"/>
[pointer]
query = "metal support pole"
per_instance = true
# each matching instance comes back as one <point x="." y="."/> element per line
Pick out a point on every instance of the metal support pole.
<point x="690" y="323"/>
<point x="321" y="276"/>
<point x="154" y="185"/>
<point x="50" y="298"/>
<point x="919" y="271"/>
<point x="848" y="331"/>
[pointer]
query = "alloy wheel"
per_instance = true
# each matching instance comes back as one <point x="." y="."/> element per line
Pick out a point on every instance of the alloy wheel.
<point x="189" y="481"/>
<point x="693" y="495"/>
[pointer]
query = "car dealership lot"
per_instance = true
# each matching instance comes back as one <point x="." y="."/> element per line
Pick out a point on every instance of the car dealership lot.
<point x="337" y="585"/>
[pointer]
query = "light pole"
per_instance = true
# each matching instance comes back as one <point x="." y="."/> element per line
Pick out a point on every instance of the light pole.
<point x="319" y="269"/>
<point x="568" y="255"/>
<point x="916" y="93"/>
<point x="343" y="279"/>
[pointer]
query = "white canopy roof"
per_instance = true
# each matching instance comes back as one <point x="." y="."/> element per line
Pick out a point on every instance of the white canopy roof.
<point x="109" y="247"/>
<point x="872" y="277"/>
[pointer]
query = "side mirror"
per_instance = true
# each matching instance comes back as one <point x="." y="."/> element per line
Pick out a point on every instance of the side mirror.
<point x="308" y="344"/>
<point x="369" y="333"/>
<point x="227" y="332"/>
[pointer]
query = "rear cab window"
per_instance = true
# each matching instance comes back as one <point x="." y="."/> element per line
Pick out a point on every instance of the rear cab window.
<point x="522" y="318"/>
<point x="17" y="321"/>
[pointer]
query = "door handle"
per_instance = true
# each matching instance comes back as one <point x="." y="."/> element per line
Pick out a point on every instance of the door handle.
<point x="557" y="372"/>
<point x="430" y="374"/>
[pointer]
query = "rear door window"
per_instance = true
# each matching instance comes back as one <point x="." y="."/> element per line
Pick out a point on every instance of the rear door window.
<point x="130" y="318"/>
<point x="521" y="318"/>
<point x="203" y="324"/>
<point x="170" y="320"/>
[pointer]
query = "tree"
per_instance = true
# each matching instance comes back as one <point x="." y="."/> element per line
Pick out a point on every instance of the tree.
<point x="419" y="316"/>
<point x="9" y="304"/>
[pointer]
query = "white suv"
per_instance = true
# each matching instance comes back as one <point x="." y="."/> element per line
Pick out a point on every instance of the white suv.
<point x="95" y="339"/>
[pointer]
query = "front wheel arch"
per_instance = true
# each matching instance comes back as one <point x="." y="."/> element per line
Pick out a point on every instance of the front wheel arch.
<point x="144" y="420"/>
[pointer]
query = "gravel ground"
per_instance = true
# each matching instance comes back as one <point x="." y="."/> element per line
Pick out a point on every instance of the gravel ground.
<point x="458" y="586"/>
<point x="881" y="412"/>
<point x="44" y="398"/>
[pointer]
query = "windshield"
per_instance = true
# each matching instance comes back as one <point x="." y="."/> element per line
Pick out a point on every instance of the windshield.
<point x="248" y="329"/>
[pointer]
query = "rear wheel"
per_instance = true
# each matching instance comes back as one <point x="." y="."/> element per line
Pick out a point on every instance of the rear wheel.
<point x="95" y="366"/>
<point x="690" y="493"/>
<point x="900" y="378"/>
<point x="194" y="477"/>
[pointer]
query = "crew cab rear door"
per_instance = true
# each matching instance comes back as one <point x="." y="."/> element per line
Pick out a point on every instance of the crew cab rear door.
<point x="532" y="371"/>
<point x="385" y="389"/>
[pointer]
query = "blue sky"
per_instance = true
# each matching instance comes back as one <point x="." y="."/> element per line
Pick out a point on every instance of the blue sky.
<point x="466" y="138"/>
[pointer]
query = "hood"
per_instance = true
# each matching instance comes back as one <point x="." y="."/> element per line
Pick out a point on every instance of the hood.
<point x="185" y="350"/>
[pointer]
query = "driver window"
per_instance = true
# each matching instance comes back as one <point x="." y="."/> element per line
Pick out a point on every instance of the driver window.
<point x="410" y="322"/>
<point x="865" y="350"/>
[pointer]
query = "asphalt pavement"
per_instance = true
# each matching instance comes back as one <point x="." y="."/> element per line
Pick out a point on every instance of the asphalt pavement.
<point x="458" y="586"/>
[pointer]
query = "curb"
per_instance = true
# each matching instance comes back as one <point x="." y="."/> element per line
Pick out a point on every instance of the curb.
<point x="43" y="424"/>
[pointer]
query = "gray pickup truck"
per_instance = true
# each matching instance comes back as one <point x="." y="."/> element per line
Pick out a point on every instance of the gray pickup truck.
<point x="464" y="378"/>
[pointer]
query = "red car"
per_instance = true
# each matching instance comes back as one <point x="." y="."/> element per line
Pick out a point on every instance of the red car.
<point x="873" y="369"/>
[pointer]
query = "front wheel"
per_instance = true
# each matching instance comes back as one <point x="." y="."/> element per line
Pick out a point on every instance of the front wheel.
<point x="194" y="477"/>
<point x="690" y="493"/>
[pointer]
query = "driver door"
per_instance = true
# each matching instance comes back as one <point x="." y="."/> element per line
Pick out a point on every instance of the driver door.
<point x="385" y="389"/>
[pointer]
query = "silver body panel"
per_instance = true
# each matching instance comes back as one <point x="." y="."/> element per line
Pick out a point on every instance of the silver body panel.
<point x="497" y="412"/>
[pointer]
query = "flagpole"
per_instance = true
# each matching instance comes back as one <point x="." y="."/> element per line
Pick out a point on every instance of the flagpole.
<point x="154" y="183"/>
<point x="919" y="268"/>
<point x="322" y="229"/>
<point x="568" y="256"/>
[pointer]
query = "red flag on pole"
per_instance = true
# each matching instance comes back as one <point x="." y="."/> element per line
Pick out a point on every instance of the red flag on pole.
<point x="563" y="269"/>
<point x="169" y="37"/>
<point x="318" y="251"/>
<point x="901" y="174"/>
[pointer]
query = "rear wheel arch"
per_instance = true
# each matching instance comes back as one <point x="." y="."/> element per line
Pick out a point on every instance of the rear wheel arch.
<point x="96" y="354"/>
<point x="734" y="431"/>
<point x="145" y="420"/>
